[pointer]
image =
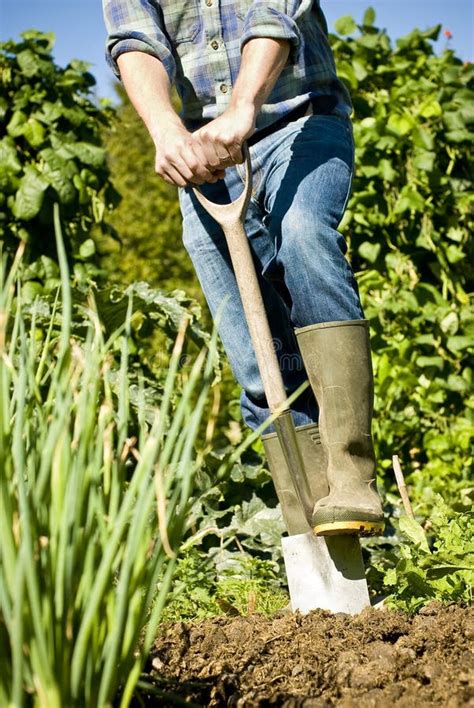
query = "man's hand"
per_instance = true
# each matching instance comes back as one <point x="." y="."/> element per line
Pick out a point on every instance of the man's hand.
<point x="195" y="158"/>
<point x="221" y="140"/>
<point x="181" y="158"/>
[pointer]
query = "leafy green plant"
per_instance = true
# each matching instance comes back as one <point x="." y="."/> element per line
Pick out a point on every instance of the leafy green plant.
<point x="50" y="150"/>
<point x="251" y="584"/>
<point x="93" y="506"/>
<point x="434" y="566"/>
<point x="192" y="595"/>
<point x="408" y="224"/>
<point x="223" y="583"/>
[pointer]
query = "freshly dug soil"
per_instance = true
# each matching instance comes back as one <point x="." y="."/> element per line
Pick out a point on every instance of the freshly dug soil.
<point x="377" y="659"/>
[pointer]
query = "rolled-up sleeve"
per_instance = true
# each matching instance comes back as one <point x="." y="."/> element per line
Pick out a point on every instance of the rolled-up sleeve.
<point x="136" y="26"/>
<point x="276" y="20"/>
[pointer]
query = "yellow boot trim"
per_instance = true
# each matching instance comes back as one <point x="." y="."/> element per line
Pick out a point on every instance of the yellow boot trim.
<point x="336" y="528"/>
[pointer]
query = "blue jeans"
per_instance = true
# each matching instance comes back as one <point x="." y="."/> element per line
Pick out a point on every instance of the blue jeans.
<point x="302" y="177"/>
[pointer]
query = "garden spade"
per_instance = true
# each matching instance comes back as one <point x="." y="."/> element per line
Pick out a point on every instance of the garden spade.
<point x="322" y="572"/>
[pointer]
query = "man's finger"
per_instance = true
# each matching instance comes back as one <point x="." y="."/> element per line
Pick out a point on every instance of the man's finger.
<point x="169" y="165"/>
<point x="228" y="151"/>
<point x="171" y="175"/>
<point x="209" y="148"/>
<point x="188" y="172"/>
<point x="236" y="154"/>
<point x="195" y="159"/>
<point x="179" y="164"/>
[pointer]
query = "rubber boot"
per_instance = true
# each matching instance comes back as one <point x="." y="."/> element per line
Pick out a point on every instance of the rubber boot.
<point x="314" y="463"/>
<point x="322" y="573"/>
<point x="337" y="359"/>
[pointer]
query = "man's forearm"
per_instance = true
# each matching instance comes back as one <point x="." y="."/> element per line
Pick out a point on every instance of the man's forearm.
<point x="263" y="60"/>
<point x="147" y="85"/>
<point x="179" y="157"/>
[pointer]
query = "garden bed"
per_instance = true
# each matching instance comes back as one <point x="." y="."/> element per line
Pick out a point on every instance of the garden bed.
<point x="375" y="659"/>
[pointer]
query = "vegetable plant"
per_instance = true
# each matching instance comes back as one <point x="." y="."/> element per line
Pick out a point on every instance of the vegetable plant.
<point x="94" y="500"/>
<point x="50" y="150"/>
<point x="435" y="566"/>
<point x="408" y="223"/>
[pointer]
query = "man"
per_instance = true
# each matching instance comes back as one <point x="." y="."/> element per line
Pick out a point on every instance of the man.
<point x="263" y="72"/>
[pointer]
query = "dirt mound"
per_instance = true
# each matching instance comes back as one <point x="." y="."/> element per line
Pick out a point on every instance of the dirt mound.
<point x="376" y="659"/>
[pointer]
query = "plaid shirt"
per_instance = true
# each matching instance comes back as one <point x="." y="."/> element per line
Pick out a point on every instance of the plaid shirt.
<point x="199" y="43"/>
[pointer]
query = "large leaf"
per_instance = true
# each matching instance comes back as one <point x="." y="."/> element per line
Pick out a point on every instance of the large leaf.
<point x="43" y="41"/>
<point x="414" y="531"/>
<point x="16" y="125"/>
<point x="400" y="124"/>
<point x="369" y="17"/>
<point x="29" y="198"/>
<point x="369" y="251"/>
<point x="59" y="173"/>
<point x="345" y="25"/>
<point x="34" y="132"/>
<point x="29" y="62"/>
<point x="254" y="519"/>
<point x="89" y="154"/>
<point x="8" y="155"/>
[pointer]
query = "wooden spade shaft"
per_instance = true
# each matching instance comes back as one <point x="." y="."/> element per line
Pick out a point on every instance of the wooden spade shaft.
<point x="231" y="217"/>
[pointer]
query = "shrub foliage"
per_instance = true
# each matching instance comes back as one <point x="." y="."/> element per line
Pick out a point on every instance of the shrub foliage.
<point x="50" y="150"/>
<point x="409" y="223"/>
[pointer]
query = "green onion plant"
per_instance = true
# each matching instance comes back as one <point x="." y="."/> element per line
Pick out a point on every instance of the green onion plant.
<point x="93" y="503"/>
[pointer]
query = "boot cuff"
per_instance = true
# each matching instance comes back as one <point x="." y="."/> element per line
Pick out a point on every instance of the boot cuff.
<point x="327" y="325"/>
<point x="308" y="426"/>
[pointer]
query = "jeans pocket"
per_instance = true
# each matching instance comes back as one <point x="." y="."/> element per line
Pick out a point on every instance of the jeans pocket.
<point x="241" y="170"/>
<point x="336" y="124"/>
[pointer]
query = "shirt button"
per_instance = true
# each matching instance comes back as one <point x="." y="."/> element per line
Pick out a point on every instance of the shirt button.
<point x="223" y="88"/>
<point x="215" y="45"/>
<point x="209" y="3"/>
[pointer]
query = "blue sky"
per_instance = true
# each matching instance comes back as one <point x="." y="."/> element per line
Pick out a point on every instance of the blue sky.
<point x="80" y="32"/>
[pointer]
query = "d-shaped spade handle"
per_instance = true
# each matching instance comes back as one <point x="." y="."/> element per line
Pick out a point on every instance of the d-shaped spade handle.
<point x="229" y="214"/>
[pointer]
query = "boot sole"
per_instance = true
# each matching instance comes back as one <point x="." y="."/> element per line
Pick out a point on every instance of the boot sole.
<point x="337" y="528"/>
